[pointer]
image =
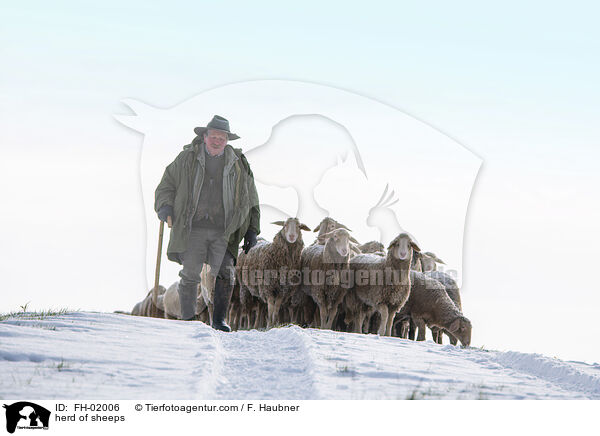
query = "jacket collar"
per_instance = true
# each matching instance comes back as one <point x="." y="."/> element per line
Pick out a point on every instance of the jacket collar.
<point x="230" y="155"/>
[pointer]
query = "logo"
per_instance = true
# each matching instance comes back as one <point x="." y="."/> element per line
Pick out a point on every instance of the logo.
<point x="318" y="151"/>
<point x="26" y="415"/>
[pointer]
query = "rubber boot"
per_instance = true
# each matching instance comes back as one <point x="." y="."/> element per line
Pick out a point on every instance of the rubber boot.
<point x="188" y="297"/>
<point x="223" y="291"/>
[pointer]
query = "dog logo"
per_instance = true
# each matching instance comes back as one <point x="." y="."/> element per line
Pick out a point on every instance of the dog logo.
<point x="26" y="415"/>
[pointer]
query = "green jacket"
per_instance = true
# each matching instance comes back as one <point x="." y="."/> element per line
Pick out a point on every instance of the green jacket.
<point x="180" y="188"/>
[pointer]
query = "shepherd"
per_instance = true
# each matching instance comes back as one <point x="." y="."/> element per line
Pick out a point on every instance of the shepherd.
<point x="208" y="198"/>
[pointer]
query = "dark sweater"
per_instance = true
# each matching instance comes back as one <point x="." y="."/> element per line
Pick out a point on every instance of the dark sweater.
<point x="210" y="212"/>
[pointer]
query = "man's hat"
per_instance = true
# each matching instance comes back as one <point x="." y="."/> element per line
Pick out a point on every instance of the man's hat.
<point x="217" y="123"/>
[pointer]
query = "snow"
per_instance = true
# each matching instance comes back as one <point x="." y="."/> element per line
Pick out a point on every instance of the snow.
<point x="87" y="355"/>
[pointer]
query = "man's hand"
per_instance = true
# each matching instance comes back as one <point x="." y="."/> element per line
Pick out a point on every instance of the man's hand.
<point x="165" y="213"/>
<point x="249" y="240"/>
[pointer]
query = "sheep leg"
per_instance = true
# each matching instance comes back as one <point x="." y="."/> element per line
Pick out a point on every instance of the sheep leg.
<point x="263" y="316"/>
<point x="452" y="338"/>
<point x="316" y="316"/>
<point x="258" y="316"/>
<point x="308" y="312"/>
<point x="232" y="316"/>
<point x="384" y="312"/>
<point x="420" y="324"/>
<point x="390" y="323"/>
<point x="435" y="333"/>
<point x="276" y="318"/>
<point x="322" y="316"/>
<point x="270" y="312"/>
<point x="210" y="313"/>
<point x="330" y="318"/>
<point x="405" y="326"/>
<point x="412" y="327"/>
<point x="439" y="336"/>
<point x="367" y="323"/>
<point x="359" y="321"/>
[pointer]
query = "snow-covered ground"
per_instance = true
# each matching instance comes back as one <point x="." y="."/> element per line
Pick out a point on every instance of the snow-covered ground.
<point x="83" y="355"/>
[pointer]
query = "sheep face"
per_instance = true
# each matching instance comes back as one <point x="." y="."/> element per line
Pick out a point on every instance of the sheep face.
<point x="291" y="229"/>
<point x="402" y="245"/>
<point x="341" y="240"/>
<point x="427" y="263"/>
<point x="461" y="329"/>
<point x="331" y="226"/>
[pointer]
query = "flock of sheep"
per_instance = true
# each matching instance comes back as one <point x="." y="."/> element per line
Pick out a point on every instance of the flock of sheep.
<point x="334" y="283"/>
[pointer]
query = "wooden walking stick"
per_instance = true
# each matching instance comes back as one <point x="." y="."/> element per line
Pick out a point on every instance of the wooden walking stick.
<point x="157" y="271"/>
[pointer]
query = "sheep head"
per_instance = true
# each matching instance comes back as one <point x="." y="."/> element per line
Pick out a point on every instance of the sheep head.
<point x="417" y="261"/>
<point x="402" y="246"/>
<point x="291" y="229"/>
<point x="328" y="225"/>
<point x="461" y="329"/>
<point x="429" y="260"/>
<point x="340" y="240"/>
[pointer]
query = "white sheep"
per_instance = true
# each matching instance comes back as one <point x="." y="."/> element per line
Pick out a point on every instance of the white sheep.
<point x="453" y="292"/>
<point x="324" y="269"/>
<point x="383" y="283"/>
<point x="429" y="261"/>
<point x="146" y="307"/>
<point x="430" y="305"/>
<point x="172" y="306"/>
<point x="375" y="247"/>
<point x="264" y="270"/>
<point x="327" y="225"/>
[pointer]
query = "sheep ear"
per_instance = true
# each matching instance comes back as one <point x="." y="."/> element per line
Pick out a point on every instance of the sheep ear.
<point x="341" y="226"/>
<point x="325" y="236"/>
<point x="438" y="260"/>
<point x="454" y="326"/>
<point x="353" y="240"/>
<point x="355" y="249"/>
<point x="304" y="227"/>
<point x="414" y="245"/>
<point x="317" y="228"/>
<point x="279" y="223"/>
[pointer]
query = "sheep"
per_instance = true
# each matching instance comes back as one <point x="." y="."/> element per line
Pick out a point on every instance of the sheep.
<point x="429" y="261"/>
<point x="453" y="292"/>
<point x="251" y="310"/>
<point x="329" y="261"/>
<point x="429" y="304"/>
<point x="243" y="304"/>
<point x="234" y="314"/>
<point x="356" y="312"/>
<point x="266" y="262"/>
<point x="146" y="307"/>
<point x="207" y="289"/>
<point x="327" y="225"/>
<point x="172" y="306"/>
<point x="385" y="298"/>
<point x="301" y="308"/>
<point x="408" y="324"/>
<point x="375" y="247"/>
<point x="415" y="263"/>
